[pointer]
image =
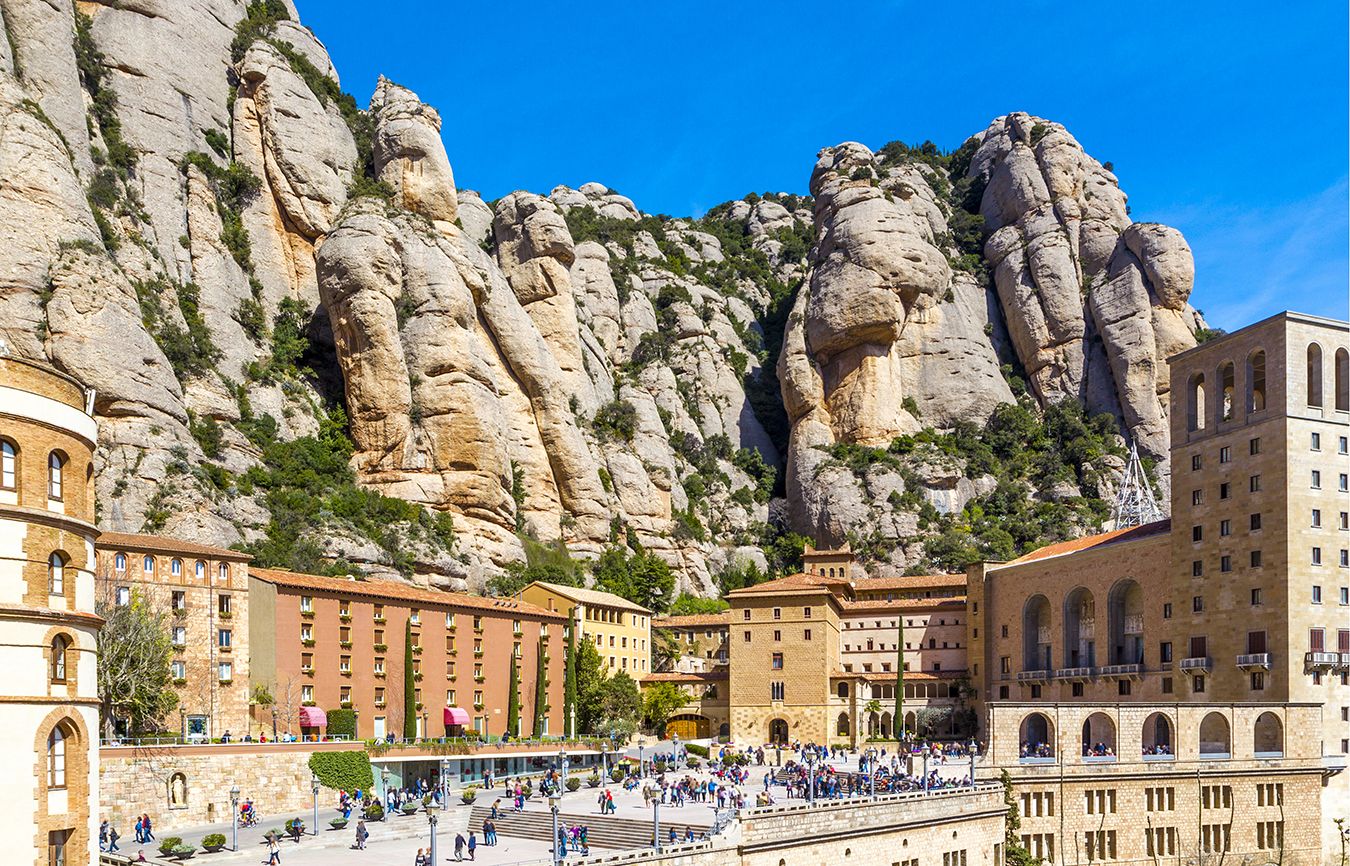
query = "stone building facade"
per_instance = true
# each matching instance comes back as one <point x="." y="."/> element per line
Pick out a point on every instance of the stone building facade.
<point x="1240" y="600"/>
<point x="817" y="658"/>
<point x="49" y="715"/>
<point x="203" y="592"/>
<point x="697" y="642"/>
<point x="321" y="643"/>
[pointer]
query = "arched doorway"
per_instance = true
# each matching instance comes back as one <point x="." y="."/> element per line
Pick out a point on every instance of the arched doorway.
<point x="841" y="725"/>
<point x="1126" y="608"/>
<point x="1214" y="737"/>
<point x="1157" y="736"/>
<point x="1268" y="736"/>
<point x="1038" y="737"/>
<point x="778" y="731"/>
<point x="1099" y="736"/>
<point x="1080" y="629"/>
<point x="1036" y="634"/>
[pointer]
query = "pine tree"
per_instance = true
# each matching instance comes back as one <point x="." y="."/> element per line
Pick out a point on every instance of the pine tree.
<point x="570" y="686"/>
<point x="540" y="690"/>
<point x="513" y="700"/>
<point x="409" y="685"/>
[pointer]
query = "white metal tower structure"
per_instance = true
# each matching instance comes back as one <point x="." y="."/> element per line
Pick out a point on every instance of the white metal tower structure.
<point x="1135" y="502"/>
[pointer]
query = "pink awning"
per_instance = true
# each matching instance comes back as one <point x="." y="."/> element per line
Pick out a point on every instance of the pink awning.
<point x="313" y="717"/>
<point x="456" y="716"/>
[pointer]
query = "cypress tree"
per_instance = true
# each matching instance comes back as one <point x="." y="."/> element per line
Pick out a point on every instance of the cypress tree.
<point x="570" y="686"/>
<point x="899" y="721"/>
<point x="513" y="700"/>
<point x="409" y="685"/>
<point x="540" y="691"/>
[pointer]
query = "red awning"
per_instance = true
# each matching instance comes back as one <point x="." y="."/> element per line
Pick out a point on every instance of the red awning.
<point x="456" y="716"/>
<point x="313" y="717"/>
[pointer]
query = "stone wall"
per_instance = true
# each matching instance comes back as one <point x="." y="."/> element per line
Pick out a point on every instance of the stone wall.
<point x="137" y="780"/>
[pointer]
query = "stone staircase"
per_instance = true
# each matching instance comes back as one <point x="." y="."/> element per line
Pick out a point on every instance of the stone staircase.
<point x="603" y="831"/>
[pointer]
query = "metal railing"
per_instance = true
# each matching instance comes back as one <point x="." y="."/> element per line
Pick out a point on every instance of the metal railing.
<point x="1129" y="670"/>
<point x="1078" y="673"/>
<point x="1254" y="660"/>
<point x="1197" y="663"/>
<point x="1321" y="659"/>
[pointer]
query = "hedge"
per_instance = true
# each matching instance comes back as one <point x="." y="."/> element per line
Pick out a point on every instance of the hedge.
<point x="348" y="771"/>
<point x="696" y="749"/>
<point x="342" y="723"/>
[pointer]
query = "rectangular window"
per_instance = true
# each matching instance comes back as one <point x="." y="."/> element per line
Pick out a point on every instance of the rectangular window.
<point x="776" y="691"/>
<point x="1255" y="559"/>
<point x="1197" y="568"/>
<point x="1199" y="647"/>
<point x="1225" y="564"/>
<point x="1254" y="523"/>
<point x="1197" y="604"/>
<point x="1254" y="484"/>
<point x="306" y="603"/>
<point x="806" y="634"/>
<point x="806" y="613"/>
<point x="1344" y="483"/>
<point x="179" y="636"/>
<point x="1315" y="640"/>
<point x="1198" y="685"/>
<point x="777" y="613"/>
<point x="1225" y="454"/>
<point x="226" y="672"/>
<point x="1167" y="611"/>
<point x="224" y="637"/>
<point x="1167" y="685"/>
<point x="1197" y="497"/>
<point x="1165" y="652"/>
<point x="1317" y="556"/>
<point x="777" y="635"/>
<point x="224" y="604"/>
<point x="745" y="614"/>
<point x="747" y="636"/>
<point x="1316" y="442"/>
<point x="1317" y="595"/>
<point x="1225" y="490"/>
<point x="1258" y="681"/>
<point x="777" y="661"/>
<point x="1254" y="446"/>
<point x="307" y="695"/>
<point x="179" y="601"/>
<point x="1256" y="597"/>
<point x="1197" y="533"/>
<point x="1195" y="462"/>
<point x="1225" y="528"/>
<point x="179" y="670"/>
<point x="1316" y="479"/>
<point x="1123" y="687"/>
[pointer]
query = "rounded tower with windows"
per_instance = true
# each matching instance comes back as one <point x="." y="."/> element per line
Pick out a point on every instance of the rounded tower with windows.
<point x="49" y="711"/>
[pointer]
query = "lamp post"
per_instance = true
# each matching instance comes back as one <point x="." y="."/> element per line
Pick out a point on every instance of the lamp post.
<point x="314" y="789"/>
<point x="925" y="770"/>
<point x="431" y="821"/>
<point x="564" y="766"/>
<point x="642" y="763"/>
<point x="384" y="786"/>
<point x="553" y="846"/>
<point x="810" y="777"/>
<point x="972" y="761"/>
<point x="234" y="816"/>
<point x="872" y="769"/>
<point x="445" y="782"/>
<point x="604" y="760"/>
<point x="656" y="823"/>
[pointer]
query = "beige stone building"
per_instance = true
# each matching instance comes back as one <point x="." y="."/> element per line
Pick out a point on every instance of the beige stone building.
<point x="1209" y="647"/>
<point x="49" y="711"/>
<point x="203" y="592"/>
<point x="817" y="658"/>
<point x="620" y="629"/>
<point x="695" y="643"/>
<point x="706" y="713"/>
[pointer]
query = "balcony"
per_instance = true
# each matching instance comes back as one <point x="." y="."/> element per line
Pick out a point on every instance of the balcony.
<point x="1320" y="660"/>
<point x="1130" y="671"/>
<point x="1079" y="674"/>
<point x="1197" y="665"/>
<point x="1254" y="662"/>
<point x="1345" y="660"/>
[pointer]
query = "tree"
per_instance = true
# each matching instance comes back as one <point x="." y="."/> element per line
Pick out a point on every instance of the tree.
<point x="900" y="682"/>
<point x="665" y="650"/>
<point x="570" y="684"/>
<point x="541" y="707"/>
<point x="659" y="703"/>
<point x="693" y="605"/>
<point x="931" y="720"/>
<point x="643" y="578"/>
<point x="513" y="699"/>
<point x="409" y="685"/>
<point x="619" y="709"/>
<point x="134" y="673"/>
<point x="590" y="680"/>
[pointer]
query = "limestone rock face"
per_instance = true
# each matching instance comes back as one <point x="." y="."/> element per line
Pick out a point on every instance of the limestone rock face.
<point x="409" y="154"/>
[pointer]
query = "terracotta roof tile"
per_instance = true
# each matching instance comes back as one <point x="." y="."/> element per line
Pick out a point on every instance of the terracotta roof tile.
<point x="957" y="601"/>
<point x="592" y="596"/>
<point x="910" y="581"/>
<point x="793" y="582"/>
<point x="1088" y="542"/>
<point x="685" y="677"/>
<point x="400" y="591"/>
<point x="164" y="544"/>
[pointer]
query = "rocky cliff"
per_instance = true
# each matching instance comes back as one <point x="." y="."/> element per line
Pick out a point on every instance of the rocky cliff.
<point x="308" y="341"/>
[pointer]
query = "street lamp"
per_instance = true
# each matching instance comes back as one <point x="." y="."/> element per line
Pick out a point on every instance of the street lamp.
<point x="314" y="789"/>
<point x="604" y="759"/>
<point x="431" y="821"/>
<point x="656" y="823"/>
<point x="234" y="815"/>
<point x="872" y="769"/>
<point x="384" y="785"/>
<point x="445" y="782"/>
<point x="675" y="751"/>
<point x="810" y="777"/>
<point x="642" y="764"/>
<point x="925" y="770"/>
<point x="553" y="846"/>
<point x="562" y="762"/>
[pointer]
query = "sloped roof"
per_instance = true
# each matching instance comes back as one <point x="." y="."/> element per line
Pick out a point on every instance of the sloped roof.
<point x="164" y="544"/>
<point x="592" y="596"/>
<point x="910" y="581"/>
<point x="399" y="591"/>
<point x="1090" y="542"/>
<point x="685" y="677"/>
<point x="698" y="620"/>
<point x="794" y="583"/>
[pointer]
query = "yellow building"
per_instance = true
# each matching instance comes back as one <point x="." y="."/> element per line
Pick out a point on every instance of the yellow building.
<point x="619" y="629"/>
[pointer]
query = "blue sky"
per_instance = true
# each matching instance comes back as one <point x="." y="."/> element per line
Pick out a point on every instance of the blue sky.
<point x="1227" y="120"/>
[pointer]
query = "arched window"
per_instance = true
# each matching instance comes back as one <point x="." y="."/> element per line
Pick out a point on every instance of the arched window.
<point x="841" y="725"/>
<point x="9" y="465"/>
<point x="201" y="569"/>
<point x="1195" y="403"/>
<point x="56" y="464"/>
<point x="1268" y="736"/>
<point x="1314" y="375"/>
<point x="56" y="573"/>
<point x="1080" y="629"/>
<point x="60" y="644"/>
<point x="1036" y="634"/>
<point x="148" y="564"/>
<point x="176" y="568"/>
<point x="56" y="757"/>
<point x="843" y="690"/>
<point x="1157" y="736"/>
<point x="224" y="571"/>
<point x="120" y="562"/>
<point x="1226" y="391"/>
<point x="1037" y="736"/>
<point x="1099" y="737"/>
<point x="1215" y="741"/>
<point x="1342" y="377"/>
<point x="1256" y="381"/>
<point x="1125" y="608"/>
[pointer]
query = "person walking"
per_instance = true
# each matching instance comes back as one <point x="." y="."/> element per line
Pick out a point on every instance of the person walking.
<point x="273" y="850"/>
<point x="420" y="859"/>
<point x="145" y="824"/>
<point x="112" y="838"/>
<point x="459" y="846"/>
<point x="473" y="844"/>
<point x="361" y="834"/>
<point x="140" y="831"/>
<point x="103" y="836"/>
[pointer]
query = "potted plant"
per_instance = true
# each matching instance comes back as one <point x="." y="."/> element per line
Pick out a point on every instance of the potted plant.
<point x="183" y="852"/>
<point x="213" y="842"/>
<point x="593" y="780"/>
<point x="167" y="844"/>
<point x="374" y="811"/>
<point x="338" y="823"/>
<point x="468" y="795"/>
<point x="616" y="775"/>
<point x="410" y="807"/>
<point x="573" y="783"/>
